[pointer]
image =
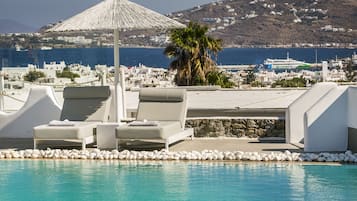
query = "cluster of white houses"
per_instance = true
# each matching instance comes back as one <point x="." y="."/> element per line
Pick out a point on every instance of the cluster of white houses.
<point x="136" y="77"/>
<point x="142" y="76"/>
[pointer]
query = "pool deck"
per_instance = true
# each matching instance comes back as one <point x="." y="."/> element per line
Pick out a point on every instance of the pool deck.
<point x="197" y="144"/>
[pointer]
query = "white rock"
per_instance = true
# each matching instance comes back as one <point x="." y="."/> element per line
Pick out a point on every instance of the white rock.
<point x="35" y="155"/>
<point x="321" y="159"/>
<point x="16" y="155"/>
<point x="183" y="155"/>
<point x="287" y="152"/>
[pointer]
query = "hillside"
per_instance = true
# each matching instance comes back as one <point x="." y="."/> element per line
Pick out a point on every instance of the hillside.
<point x="240" y="23"/>
<point x="274" y="22"/>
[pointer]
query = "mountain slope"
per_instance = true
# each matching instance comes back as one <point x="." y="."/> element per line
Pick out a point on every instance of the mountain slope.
<point x="275" y="22"/>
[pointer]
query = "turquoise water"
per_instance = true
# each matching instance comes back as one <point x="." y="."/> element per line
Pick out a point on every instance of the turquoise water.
<point x="102" y="180"/>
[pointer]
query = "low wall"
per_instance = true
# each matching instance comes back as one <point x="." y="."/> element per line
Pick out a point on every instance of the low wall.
<point x="40" y="108"/>
<point x="326" y="123"/>
<point x="295" y="124"/>
<point x="230" y="127"/>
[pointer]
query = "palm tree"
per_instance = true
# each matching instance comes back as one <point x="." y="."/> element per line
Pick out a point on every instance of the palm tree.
<point x="192" y="49"/>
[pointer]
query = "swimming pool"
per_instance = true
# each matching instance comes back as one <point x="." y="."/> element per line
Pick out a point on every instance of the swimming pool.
<point x="118" y="180"/>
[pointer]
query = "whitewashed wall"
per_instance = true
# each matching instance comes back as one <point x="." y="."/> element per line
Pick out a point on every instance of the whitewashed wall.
<point x="40" y="108"/>
<point x="326" y="122"/>
<point x="294" y="129"/>
<point x="352" y="107"/>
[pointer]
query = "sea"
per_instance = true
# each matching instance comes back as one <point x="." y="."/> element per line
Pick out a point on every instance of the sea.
<point x="154" y="57"/>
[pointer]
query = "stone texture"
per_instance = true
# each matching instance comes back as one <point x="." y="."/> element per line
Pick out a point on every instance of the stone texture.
<point x="251" y="128"/>
<point x="163" y="155"/>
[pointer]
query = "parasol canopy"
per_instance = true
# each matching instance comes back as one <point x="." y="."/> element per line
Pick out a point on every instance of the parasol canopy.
<point x="117" y="15"/>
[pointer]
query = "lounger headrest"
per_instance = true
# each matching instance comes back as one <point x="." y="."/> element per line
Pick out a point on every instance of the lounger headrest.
<point x="86" y="92"/>
<point x="162" y="95"/>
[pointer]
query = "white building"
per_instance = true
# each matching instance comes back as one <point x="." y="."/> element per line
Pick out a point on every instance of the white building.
<point x="354" y="58"/>
<point x="80" y="40"/>
<point x="50" y="69"/>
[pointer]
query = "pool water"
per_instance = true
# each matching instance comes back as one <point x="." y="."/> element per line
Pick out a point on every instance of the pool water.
<point x="114" y="180"/>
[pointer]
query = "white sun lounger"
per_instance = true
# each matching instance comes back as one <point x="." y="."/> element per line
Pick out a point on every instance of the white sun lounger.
<point x="83" y="108"/>
<point x="160" y="117"/>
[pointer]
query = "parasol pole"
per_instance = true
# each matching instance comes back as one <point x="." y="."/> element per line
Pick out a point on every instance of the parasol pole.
<point x="118" y="90"/>
<point x="122" y="84"/>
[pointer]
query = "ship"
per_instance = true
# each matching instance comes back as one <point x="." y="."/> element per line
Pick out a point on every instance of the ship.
<point x="287" y="63"/>
<point x="46" y="48"/>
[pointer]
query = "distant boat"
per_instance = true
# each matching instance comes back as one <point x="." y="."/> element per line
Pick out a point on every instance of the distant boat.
<point x="18" y="48"/>
<point x="287" y="63"/>
<point x="46" y="48"/>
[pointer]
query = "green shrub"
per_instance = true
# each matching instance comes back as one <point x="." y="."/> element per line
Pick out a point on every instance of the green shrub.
<point x="33" y="76"/>
<point x="219" y="78"/>
<point x="66" y="73"/>
<point x="257" y="84"/>
<point x="295" y="82"/>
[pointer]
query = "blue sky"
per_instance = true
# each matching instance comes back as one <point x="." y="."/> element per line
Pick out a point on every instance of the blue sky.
<point x="36" y="13"/>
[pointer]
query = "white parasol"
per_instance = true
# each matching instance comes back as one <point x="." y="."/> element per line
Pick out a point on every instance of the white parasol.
<point x="117" y="15"/>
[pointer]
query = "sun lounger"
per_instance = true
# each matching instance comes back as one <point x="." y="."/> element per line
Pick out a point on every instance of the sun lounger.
<point x="160" y="117"/>
<point x="83" y="108"/>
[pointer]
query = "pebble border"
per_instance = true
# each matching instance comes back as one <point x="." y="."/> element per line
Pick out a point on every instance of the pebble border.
<point x="164" y="155"/>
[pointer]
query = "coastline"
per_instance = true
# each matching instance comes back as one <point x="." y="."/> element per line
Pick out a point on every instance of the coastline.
<point x="154" y="57"/>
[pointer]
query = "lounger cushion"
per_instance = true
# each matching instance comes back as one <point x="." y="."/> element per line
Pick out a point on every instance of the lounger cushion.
<point x="80" y="130"/>
<point x="86" y="103"/>
<point x="86" y="92"/>
<point x="85" y="110"/>
<point x="154" y="111"/>
<point x="162" y="95"/>
<point x="162" y="131"/>
<point x="162" y="105"/>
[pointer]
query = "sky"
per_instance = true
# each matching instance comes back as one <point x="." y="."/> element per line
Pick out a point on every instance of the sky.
<point x="37" y="13"/>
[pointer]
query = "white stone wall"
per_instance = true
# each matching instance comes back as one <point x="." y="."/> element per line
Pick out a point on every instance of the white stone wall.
<point x="320" y="118"/>
<point x="326" y="126"/>
<point x="352" y="107"/>
<point x="295" y="112"/>
<point x="40" y="108"/>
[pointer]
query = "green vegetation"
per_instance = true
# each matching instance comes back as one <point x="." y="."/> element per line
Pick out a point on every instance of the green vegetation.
<point x="192" y="51"/>
<point x="295" y="82"/>
<point x="33" y="76"/>
<point x="351" y="72"/>
<point x="66" y="73"/>
<point x="219" y="78"/>
<point x="257" y="84"/>
<point x="250" y="77"/>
